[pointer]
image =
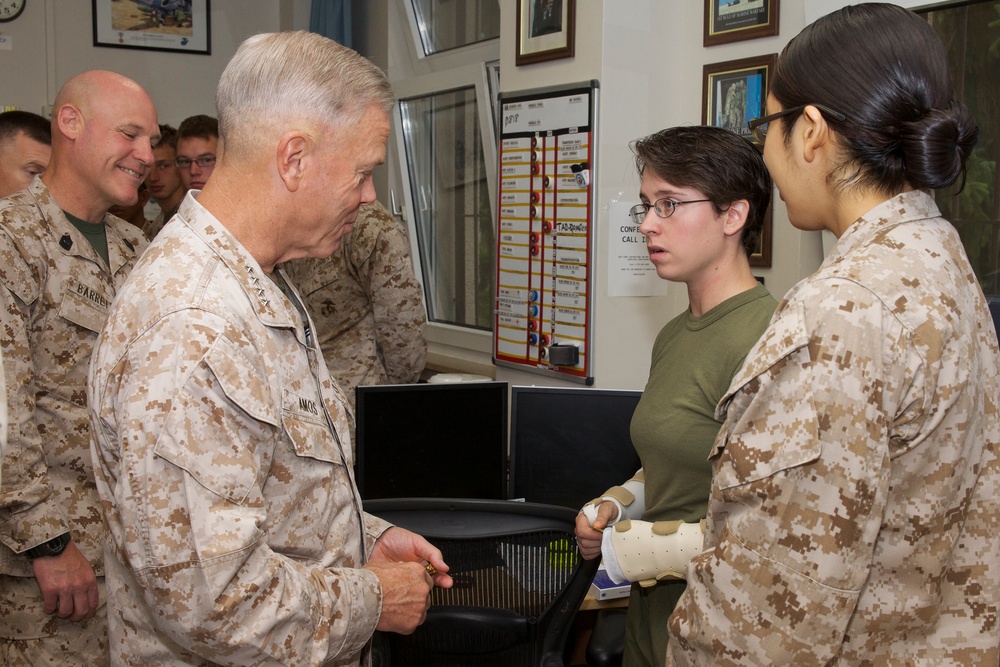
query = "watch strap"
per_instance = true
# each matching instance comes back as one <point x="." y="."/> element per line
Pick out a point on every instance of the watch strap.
<point x="53" y="547"/>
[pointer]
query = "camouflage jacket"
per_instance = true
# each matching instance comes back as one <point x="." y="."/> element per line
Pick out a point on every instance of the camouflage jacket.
<point x="56" y="294"/>
<point x="367" y="304"/>
<point x="856" y="478"/>
<point x="224" y="467"/>
<point x="3" y="419"/>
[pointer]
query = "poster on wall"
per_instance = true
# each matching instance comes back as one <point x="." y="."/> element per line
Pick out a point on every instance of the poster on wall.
<point x="544" y="305"/>
<point x="159" y="25"/>
<point x="630" y="273"/>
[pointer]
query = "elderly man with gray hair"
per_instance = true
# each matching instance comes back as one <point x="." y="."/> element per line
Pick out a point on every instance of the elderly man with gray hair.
<point x="222" y="449"/>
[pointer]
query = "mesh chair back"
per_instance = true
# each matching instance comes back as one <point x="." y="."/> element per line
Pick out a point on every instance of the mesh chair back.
<point x="518" y="583"/>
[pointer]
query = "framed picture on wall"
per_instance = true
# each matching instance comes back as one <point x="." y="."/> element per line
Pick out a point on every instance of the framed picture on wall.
<point x="160" y="25"/>
<point x="761" y="257"/>
<point x="545" y="30"/>
<point x="734" y="92"/>
<point x="735" y="20"/>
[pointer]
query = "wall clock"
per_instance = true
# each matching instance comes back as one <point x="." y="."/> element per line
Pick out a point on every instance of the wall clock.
<point x="10" y="9"/>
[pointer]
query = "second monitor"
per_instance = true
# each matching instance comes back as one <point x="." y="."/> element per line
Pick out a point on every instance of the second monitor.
<point x="569" y="445"/>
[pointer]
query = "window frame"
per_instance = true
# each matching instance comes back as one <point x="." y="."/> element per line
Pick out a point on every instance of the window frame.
<point x="449" y="336"/>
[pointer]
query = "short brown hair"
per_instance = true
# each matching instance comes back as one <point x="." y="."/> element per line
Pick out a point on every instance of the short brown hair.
<point x="34" y="126"/>
<point x="200" y="127"/>
<point x="719" y="163"/>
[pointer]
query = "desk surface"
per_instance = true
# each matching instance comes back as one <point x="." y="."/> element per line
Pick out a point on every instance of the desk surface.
<point x="590" y="603"/>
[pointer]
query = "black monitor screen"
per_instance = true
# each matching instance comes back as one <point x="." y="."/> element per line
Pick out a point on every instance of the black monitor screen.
<point x="432" y="440"/>
<point x="569" y="445"/>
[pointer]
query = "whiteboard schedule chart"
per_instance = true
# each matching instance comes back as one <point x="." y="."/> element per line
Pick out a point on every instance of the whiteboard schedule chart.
<point x="544" y="306"/>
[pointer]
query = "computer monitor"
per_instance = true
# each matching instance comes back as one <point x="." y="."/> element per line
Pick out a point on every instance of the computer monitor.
<point x="569" y="445"/>
<point x="432" y="440"/>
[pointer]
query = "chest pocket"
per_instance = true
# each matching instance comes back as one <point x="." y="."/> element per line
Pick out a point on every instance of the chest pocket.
<point x="84" y="306"/>
<point x="212" y="440"/>
<point x="771" y="419"/>
<point x="304" y="421"/>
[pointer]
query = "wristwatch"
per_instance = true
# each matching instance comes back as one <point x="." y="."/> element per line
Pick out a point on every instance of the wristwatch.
<point x="53" y="547"/>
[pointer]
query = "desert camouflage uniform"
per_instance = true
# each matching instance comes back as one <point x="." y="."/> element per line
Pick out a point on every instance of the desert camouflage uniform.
<point x="854" y="508"/>
<point x="3" y="418"/>
<point x="225" y="469"/>
<point x="367" y="304"/>
<point x="56" y="296"/>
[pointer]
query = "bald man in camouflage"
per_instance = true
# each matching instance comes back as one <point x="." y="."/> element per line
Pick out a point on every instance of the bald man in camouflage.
<point x="62" y="260"/>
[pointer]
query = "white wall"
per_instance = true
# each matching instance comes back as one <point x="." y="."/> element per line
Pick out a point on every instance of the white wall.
<point x="53" y="40"/>
<point x="648" y="57"/>
<point x="646" y="54"/>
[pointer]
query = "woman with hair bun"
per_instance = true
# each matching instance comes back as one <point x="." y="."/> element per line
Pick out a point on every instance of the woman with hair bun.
<point x="856" y="478"/>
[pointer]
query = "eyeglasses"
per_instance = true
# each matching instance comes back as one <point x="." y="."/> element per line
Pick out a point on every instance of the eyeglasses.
<point x="758" y="126"/>
<point x="202" y="161"/>
<point x="664" y="208"/>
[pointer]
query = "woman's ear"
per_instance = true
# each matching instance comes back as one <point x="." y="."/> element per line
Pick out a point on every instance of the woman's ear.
<point x="815" y="132"/>
<point x="736" y="217"/>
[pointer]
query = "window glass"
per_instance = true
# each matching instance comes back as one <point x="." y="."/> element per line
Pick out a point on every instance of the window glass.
<point x="449" y="24"/>
<point x="971" y="32"/>
<point x="451" y="205"/>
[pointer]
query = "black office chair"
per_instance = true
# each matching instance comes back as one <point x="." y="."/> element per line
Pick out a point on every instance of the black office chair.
<point x="519" y="581"/>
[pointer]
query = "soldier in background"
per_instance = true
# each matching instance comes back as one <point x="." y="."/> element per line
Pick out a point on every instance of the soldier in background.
<point x="25" y="149"/>
<point x="164" y="181"/>
<point x="197" y="150"/>
<point x="367" y="304"/>
<point x="62" y="259"/>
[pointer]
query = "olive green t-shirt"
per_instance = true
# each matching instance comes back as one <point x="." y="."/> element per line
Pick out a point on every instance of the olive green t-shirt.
<point x="674" y="427"/>
<point x="95" y="233"/>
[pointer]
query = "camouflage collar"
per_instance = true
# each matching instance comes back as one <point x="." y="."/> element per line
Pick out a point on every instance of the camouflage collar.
<point x="902" y="208"/>
<point x="272" y="307"/>
<point x="121" y="251"/>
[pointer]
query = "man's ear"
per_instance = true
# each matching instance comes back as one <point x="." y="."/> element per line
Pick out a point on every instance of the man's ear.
<point x="736" y="217"/>
<point x="69" y="120"/>
<point x="293" y="153"/>
<point x="815" y="132"/>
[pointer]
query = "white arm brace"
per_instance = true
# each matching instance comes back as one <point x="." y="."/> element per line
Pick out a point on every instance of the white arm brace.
<point x="648" y="552"/>
<point x="629" y="498"/>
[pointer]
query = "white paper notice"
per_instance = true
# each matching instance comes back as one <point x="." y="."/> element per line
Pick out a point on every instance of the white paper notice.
<point x="630" y="273"/>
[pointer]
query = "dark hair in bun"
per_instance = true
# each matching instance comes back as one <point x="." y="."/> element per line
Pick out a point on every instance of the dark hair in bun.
<point x="886" y="70"/>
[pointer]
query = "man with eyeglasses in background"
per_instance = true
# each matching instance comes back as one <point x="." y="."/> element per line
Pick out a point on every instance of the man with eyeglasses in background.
<point x="197" y="140"/>
<point x="164" y="181"/>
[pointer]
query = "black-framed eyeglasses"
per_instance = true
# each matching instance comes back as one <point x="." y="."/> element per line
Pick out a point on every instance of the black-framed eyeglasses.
<point x="664" y="208"/>
<point x="202" y="161"/>
<point x="758" y="126"/>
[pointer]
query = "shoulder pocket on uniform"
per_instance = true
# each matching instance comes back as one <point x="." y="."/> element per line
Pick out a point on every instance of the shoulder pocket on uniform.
<point x="750" y="450"/>
<point x="15" y="274"/>
<point x="207" y="436"/>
